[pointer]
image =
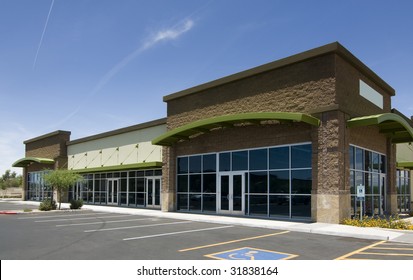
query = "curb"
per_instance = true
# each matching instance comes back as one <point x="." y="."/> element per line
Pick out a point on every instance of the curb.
<point x="8" y="212"/>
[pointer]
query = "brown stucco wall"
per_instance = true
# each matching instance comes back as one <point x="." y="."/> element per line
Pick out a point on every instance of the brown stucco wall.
<point x="52" y="146"/>
<point x="348" y="89"/>
<point x="302" y="87"/>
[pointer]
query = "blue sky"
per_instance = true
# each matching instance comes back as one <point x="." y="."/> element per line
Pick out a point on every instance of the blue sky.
<point x="90" y="66"/>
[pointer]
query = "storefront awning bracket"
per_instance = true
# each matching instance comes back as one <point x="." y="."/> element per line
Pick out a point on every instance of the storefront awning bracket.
<point x="187" y="131"/>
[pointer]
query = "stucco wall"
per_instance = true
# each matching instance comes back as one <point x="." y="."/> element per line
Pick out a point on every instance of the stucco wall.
<point x="302" y="87"/>
<point x="125" y="148"/>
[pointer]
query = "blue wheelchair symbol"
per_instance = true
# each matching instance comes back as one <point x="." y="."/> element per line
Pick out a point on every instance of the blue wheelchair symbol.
<point x="248" y="253"/>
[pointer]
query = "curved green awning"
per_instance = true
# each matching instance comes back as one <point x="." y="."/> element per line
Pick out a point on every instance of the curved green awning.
<point x="405" y="164"/>
<point x="206" y="125"/>
<point x="393" y="125"/>
<point x="24" y="162"/>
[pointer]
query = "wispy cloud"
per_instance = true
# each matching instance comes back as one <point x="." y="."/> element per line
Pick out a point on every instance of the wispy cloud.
<point x="163" y="35"/>
<point x="41" y="38"/>
<point x="156" y="38"/>
<point x="168" y="34"/>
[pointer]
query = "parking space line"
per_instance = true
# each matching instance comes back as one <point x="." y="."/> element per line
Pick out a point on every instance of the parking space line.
<point x="392" y="248"/>
<point x="61" y="215"/>
<point x="360" y="250"/>
<point x="88" y="218"/>
<point x="140" y="226"/>
<point x="385" y="254"/>
<point x="174" y="233"/>
<point x="233" y="241"/>
<point x="104" y="222"/>
<point x="394" y="244"/>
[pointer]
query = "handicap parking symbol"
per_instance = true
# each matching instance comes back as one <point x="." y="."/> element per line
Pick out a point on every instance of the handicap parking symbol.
<point x="248" y="253"/>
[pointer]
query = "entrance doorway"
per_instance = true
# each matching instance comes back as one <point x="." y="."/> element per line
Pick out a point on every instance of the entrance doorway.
<point x="113" y="189"/>
<point x="231" y="188"/>
<point x="153" y="193"/>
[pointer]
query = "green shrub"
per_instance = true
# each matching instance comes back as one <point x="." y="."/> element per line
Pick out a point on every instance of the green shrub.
<point x="47" y="205"/>
<point x="76" y="204"/>
<point x="393" y="222"/>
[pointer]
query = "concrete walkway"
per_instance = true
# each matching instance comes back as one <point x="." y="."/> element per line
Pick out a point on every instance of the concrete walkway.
<point x="317" y="228"/>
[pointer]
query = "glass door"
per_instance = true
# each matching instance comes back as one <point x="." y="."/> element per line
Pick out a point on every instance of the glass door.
<point x="231" y="193"/>
<point x="153" y="192"/>
<point x="113" y="189"/>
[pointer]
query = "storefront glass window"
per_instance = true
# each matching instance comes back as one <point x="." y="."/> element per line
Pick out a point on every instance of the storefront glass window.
<point x="36" y="188"/>
<point x="224" y="162"/>
<point x="301" y="156"/>
<point x="130" y="188"/>
<point x="258" y="159"/>
<point x="368" y="170"/>
<point x="403" y="190"/>
<point x="195" y="164"/>
<point x="240" y="160"/>
<point x="279" y="158"/>
<point x="278" y="182"/>
<point x="196" y="188"/>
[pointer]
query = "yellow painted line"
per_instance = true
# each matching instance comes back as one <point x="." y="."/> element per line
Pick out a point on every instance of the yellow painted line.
<point x="385" y="254"/>
<point x="233" y="241"/>
<point x="360" y="250"/>
<point x="404" y="245"/>
<point x="396" y="244"/>
<point x="393" y="248"/>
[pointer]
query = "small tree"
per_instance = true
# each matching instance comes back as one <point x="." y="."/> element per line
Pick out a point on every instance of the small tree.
<point x="10" y="180"/>
<point x="61" y="180"/>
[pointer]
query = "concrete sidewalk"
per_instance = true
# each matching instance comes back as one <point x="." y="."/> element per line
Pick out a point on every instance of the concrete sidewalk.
<point x="317" y="228"/>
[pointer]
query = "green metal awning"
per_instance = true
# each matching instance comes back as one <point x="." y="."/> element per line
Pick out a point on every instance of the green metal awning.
<point x="405" y="164"/>
<point x="141" y="165"/>
<point x="24" y="162"/>
<point x="206" y="125"/>
<point x="393" y="125"/>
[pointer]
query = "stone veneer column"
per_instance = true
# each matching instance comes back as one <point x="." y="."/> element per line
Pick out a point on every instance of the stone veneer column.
<point x="168" y="203"/>
<point x="391" y="200"/>
<point x="331" y="191"/>
<point x="24" y="183"/>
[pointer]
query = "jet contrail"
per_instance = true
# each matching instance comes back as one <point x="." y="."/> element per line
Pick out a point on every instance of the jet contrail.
<point x="44" y="31"/>
<point x="163" y="35"/>
<point x="168" y="34"/>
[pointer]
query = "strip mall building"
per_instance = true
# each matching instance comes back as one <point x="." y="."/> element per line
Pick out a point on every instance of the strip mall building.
<point x="291" y="139"/>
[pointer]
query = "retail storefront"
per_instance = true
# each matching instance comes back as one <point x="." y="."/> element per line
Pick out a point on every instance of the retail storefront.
<point x="120" y="168"/>
<point x="291" y="139"/>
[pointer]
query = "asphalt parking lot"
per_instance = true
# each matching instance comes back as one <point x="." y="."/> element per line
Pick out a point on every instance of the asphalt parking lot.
<point x="86" y="234"/>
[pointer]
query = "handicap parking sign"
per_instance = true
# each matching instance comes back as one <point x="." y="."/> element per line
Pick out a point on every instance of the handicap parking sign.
<point x="248" y="253"/>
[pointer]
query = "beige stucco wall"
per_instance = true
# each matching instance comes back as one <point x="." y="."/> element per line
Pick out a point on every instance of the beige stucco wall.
<point x="121" y="149"/>
<point x="404" y="152"/>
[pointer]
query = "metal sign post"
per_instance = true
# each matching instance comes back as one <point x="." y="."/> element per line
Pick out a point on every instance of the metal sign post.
<point x="361" y="194"/>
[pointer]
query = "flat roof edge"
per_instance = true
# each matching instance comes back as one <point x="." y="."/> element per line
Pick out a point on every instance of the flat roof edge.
<point x="334" y="47"/>
<point x="118" y="131"/>
<point x="54" y="133"/>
